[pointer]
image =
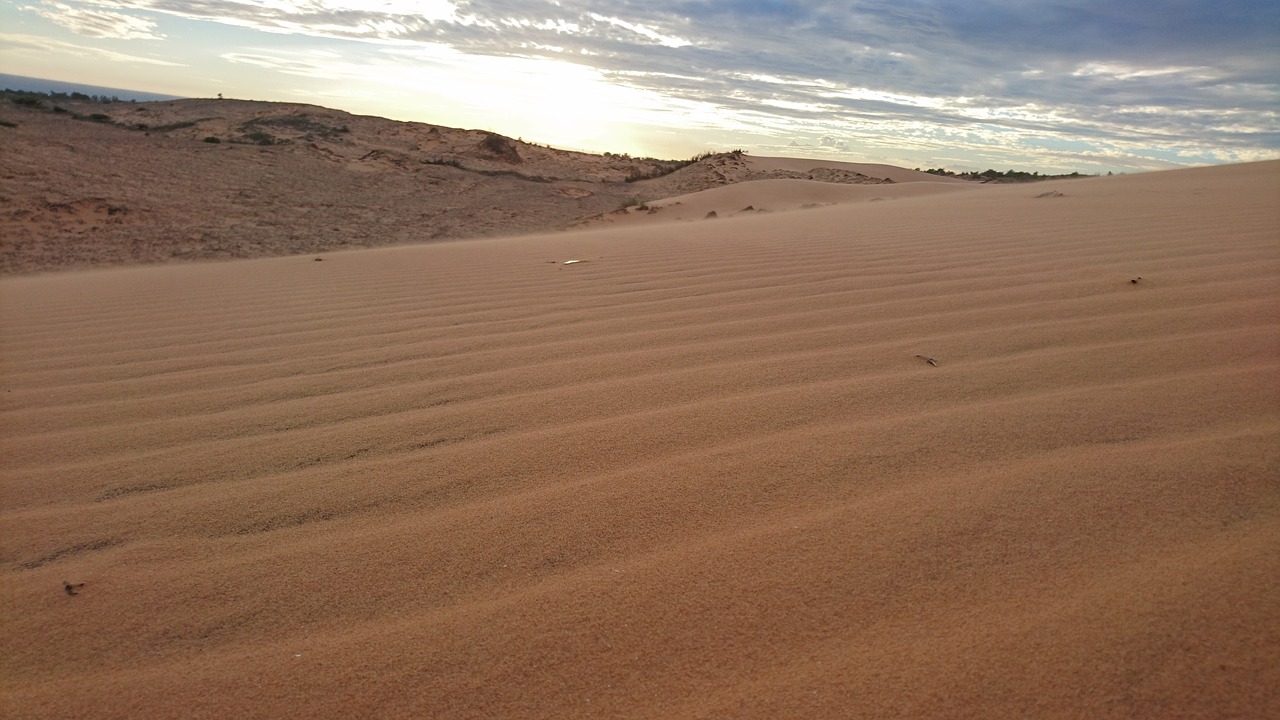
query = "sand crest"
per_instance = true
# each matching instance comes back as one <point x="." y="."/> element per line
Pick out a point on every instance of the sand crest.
<point x="752" y="197"/>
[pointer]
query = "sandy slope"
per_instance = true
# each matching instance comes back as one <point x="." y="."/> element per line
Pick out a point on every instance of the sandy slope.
<point x="143" y="185"/>
<point x="702" y="474"/>
<point x="878" y="170"/>
<point x="760" y="196"/>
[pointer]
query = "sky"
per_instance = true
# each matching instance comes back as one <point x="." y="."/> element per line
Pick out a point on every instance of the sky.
<point x="1047" y="85"/>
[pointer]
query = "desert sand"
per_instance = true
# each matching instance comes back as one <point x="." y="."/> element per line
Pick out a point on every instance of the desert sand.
<point x="761" y="196"/>
<point x="703" y="472"/>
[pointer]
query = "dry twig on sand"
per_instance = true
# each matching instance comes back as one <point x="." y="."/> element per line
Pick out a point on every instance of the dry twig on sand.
<point x="928" y="359"/>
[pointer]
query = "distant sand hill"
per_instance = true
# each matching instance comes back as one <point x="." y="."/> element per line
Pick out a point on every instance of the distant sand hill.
<point x="696" y="469"/>
<point x="157" y="182"/>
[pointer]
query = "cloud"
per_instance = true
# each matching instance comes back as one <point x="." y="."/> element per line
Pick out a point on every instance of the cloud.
<point x="34" y="43"/>
<point x="97" y="23"/>
<point x="828" y="141"/>
<point x="641" y="30"/>
<point x="1191" y="73"/>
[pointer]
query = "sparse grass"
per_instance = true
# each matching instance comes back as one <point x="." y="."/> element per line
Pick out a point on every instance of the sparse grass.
<point x="302" y="123"/>
<point x="7" y="123"/>
<point x="632" y="201"/>
<point x="659" y="168"/>
<point x="511" y="173"/>
<point x="261" y="138"/>
<point x="177" y="125"/>
<point x="454" y="163"/>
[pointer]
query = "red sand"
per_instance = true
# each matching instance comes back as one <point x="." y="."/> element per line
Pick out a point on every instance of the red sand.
<point x="700" y="474"/>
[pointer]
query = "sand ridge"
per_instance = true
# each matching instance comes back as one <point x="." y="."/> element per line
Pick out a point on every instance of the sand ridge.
<point x="750" y="197"/>
<point x="701" y="473"/>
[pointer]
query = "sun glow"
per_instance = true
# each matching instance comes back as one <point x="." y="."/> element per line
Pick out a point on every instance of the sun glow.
<point x="541" y="99"/>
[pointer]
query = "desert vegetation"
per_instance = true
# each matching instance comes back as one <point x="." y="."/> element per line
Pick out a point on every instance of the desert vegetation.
<point x="1008" y="176"/>
<point x="659" y="168"/>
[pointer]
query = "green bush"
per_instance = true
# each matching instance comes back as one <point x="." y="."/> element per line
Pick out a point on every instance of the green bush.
<point x="212" y="139"/>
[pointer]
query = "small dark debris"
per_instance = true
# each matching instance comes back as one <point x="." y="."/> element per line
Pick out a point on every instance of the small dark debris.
<point x="319" y="259"/>
<point x="1135" y="281"/>
<point x="748" y="208"/>
<point x="710" y="215"/>
<point x="928" y="359"/>
<point x="71" y="588"/>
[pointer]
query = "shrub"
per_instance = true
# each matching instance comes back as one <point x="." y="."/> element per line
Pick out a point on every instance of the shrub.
<point x="261" y="138"/>
<point x="501" y="148"/>
<point x="212" y="139"/>
<point x="176" y="126"/>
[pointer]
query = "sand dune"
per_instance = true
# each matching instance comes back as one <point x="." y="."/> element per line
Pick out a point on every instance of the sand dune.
<point x="197" y="180"/>
<point x="877" y="170"/>
<point x="700" y="473"/>
<point x="760" y="196"/>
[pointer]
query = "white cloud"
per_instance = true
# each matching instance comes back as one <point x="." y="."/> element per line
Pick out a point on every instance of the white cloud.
<point x="1119" y="71"/>
<point x="862" y="93"/>
<point x="665" y="40"/>
<point x="35" y="44"/>
<point x="96" y="23"/>
<point x="796" y="106"/>
<point x="423" y="9"/>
